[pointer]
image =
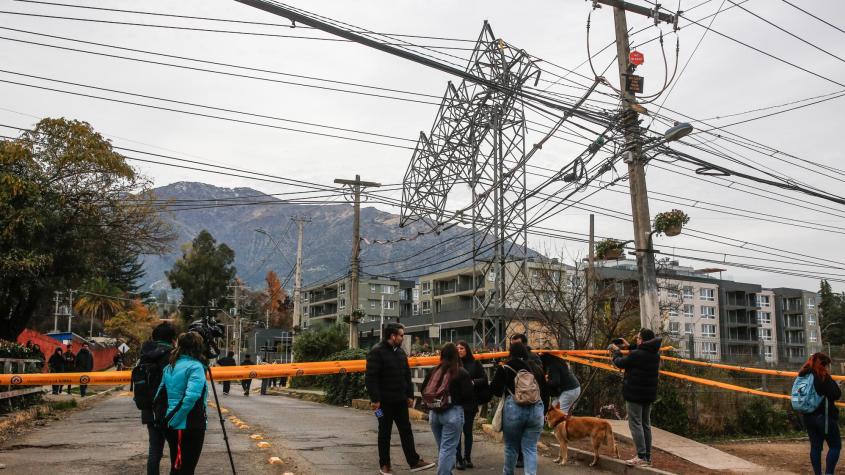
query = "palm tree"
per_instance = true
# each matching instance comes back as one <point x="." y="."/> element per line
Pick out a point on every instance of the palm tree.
<point x="99" y="299"/>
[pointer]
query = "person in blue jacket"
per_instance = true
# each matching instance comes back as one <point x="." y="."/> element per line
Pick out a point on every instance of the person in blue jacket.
<point x="184" y="381"/>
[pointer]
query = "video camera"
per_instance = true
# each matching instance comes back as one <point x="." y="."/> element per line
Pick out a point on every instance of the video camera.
<point x="210" y="331"/>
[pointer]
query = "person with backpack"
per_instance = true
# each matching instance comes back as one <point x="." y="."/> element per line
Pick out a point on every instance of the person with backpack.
<point x="388" y="381"/>
<point x="563" y="385"/>
<point x="521" y="338"/>
<point x="522" y="384"/>
<point x="228" y="360"/>
<point x="814" y="394"/>
<point x="70" y="363"/>
<point x="480" y="394"/>
<point x="639" y="388"/>
<point x="180" y="404"/>
<point x="447" y="390"/>
<point x="56" y="363"/>
<point x="146" y="378"/>
<point x="84" y="364"/>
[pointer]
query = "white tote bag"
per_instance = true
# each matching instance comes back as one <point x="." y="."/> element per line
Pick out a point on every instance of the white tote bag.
<point x="497" y="416"/>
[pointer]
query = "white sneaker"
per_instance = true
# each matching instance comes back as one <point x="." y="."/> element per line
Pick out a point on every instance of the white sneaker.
<point x="637" y="462"/>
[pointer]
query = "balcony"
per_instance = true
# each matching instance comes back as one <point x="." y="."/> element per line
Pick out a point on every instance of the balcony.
<point x="453" y="287"/>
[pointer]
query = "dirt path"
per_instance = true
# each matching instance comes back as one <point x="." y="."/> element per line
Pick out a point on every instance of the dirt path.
<point x="782" y="456"/>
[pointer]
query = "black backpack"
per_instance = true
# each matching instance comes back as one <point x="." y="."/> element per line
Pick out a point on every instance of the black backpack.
<point x="161" y="418"/>
<point x="146" y="377"/>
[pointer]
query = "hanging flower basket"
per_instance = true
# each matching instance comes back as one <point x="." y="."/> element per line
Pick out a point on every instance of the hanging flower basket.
<point x="609" y="249"/>
<point x="670" y="223"/>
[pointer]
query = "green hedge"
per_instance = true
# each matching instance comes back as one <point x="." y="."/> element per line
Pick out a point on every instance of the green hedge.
<point x="341" y="389"/>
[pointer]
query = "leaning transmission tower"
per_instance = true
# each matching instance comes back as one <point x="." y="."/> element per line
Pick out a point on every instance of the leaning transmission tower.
<point x="478" y="139"/>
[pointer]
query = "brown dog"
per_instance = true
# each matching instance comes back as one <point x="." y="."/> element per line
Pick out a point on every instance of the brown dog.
<point x="574" y="428"/>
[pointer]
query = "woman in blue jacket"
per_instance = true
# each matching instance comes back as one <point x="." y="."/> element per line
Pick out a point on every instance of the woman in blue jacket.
<point x="184" y="381"/>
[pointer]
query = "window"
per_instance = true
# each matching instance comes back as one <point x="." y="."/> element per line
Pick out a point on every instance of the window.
<point x="814" y="336"/>
<point x="415" y="308"/>
<point x="688" y="292"/>
<point x="673" y="312"/>
<point x="768" y="350"/>
<point x="672" y="292"/>
<point x="811" y="319"/>
<point x="708" y="348"/>
<point x="374" y="303"/>
<point x="674" y="328"/>
<point x="426" y="306"/>
<point x="764" y="318"/>
<point x="373" y="288"/>
<point x="387" y="289"/>
<point x="689" y="310"/>
<point x="341" y="289"/>
<point x="341" y="303"/>
<point x="426" y="288"/>
<point x="535" y="275"/>
<point x="688" y="328"/>
<point x="811" y="302"/>
<point x="764" y="301"/>
<point x="491" y="276"/>
<point x="707" y="294"/>
<point x="416" y="294"/>
<point x="389" y="304"/>
<point x="708" y="311"/>
<point x="708" y="330"/>
<point x="766" y="334"/>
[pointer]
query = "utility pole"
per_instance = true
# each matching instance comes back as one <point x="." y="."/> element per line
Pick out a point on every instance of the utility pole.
<point x="57" y="299"/>
<point x="70" y="308"/>
<point x="297" y="289"/>
<point x="591" y="256"/>
<point x="356" y="186"/>
<point x="649" y="309"/>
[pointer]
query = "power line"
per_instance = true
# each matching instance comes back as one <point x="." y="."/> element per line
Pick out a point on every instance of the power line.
<point x="814" y="16"/>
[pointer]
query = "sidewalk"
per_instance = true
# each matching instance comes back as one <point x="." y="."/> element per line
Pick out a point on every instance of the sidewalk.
<point x="690" y="450"/>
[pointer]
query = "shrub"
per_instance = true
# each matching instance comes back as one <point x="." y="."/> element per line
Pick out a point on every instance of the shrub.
<point x="669" y="412"/>
<point x="317" y="345"/>
<point x="760" y="417"/>
<point x="341" y="389"/>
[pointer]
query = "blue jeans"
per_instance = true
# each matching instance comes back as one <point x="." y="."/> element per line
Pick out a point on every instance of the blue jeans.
<point x="815" y="430"/>
<point x="447" y="427"/>
<point x="521" y="425"/>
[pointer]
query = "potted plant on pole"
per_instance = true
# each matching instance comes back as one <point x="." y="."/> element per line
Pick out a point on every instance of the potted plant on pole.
<point x="670" y="223"/>
<point x="609" y="249"/>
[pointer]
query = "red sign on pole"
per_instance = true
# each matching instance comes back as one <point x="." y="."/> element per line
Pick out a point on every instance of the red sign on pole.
<point x="636" y="58"/>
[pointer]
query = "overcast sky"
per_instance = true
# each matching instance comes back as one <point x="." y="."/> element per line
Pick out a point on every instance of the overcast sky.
<point x="723" y="78"/>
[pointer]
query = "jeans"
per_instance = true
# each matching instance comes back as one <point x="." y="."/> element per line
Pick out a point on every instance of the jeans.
<point x="156" y="450"/>
<point x="184" y="452"/>
<point x="395" y="412"/>
<point x="469" y="419"/>
<point x="815" y="430"/>
<point x="521" y="426"/>
<point x="447" y="427"/>
<point x="568" y="398"/>
<point x="639" y="421"/>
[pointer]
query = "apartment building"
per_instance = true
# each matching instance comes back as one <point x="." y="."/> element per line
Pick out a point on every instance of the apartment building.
<point x="767" y="319"/>
<point x="740" y="327"/>
<point x="798" y="330"/>
<point x="329" y="302"/>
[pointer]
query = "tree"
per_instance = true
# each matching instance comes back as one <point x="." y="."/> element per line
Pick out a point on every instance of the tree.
<point x="832" y="315"/>
<point x="133" y="325"/>
<point x="71" y="209"/>
<point x="98" y="301"/>
<point x="275" y="302"/>
<point x="203" y="273"/>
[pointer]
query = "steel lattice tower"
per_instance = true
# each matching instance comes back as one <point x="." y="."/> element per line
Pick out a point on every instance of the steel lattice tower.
<point x="478" y="138"/>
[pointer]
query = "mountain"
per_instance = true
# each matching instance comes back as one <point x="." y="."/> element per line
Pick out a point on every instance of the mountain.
<point x="233" y="215"/>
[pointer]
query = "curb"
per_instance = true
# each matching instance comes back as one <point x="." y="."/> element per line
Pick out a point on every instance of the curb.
<point x="605" y="463"/>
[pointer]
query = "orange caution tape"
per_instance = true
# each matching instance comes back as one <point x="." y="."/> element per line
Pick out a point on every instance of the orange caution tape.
<point x="745" y="369"/>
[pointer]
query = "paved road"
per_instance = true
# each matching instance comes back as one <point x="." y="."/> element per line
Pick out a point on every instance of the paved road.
<point x="107" y="438"/>
<point x="332" y="440"/>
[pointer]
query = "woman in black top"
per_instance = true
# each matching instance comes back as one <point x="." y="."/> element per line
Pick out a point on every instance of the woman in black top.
<point x="819" y="427"/>
<point x="446" y="424"/>
<point x="521" y="424"/>
<point x="563" y="385"/>
<point x="57" y="365"/>
<point x="481" y="391"/>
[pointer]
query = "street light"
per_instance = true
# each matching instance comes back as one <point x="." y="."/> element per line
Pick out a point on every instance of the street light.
<point x="678" y="131"/>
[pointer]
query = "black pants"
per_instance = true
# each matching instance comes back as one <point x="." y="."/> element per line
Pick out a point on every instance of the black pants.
<point x="57" y="389"/>
<point x="185" y="452"/>
<point x="68" y="389"/>
<point x="156" y="450"/>
<point x="395" y="412"/>
<point x="83" y="389"/>
<point x="816" y="431"/>
<point x="226" y="386"/>
<point x="246" y="383"/>
<point x="469" y="420"/>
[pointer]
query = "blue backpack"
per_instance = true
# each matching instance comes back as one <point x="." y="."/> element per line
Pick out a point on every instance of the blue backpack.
<point x="805" y="399"/>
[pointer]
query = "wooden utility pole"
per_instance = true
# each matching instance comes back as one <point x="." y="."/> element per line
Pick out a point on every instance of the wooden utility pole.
<point x="356" y="186"/>
<point x="649" y="308"/>
<point x="297" y="289"/>
<point x="588" y="292"/>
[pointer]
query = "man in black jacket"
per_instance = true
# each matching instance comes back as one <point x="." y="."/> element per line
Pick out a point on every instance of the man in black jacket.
<point x="246" y="383"/>
<point x="228" y="360"/>
<point x="388" y="381"/>
<point x="156" y="354"/>
<point x="84" y="364"/>
<point x="639" y="388"/>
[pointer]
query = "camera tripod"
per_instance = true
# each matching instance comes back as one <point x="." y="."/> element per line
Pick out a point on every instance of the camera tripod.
<point x="222" y="423"/>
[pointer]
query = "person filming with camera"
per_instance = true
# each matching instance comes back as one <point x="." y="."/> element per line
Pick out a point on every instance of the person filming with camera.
<point x="639" y="387"/>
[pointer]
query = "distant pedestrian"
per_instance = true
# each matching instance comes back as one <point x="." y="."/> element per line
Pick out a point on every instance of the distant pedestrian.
<point x="522" y="383"/>
<point x="639" y="388"/>
<point x="84" y="364"/>
<point x="57" y="365"/>
<point x="118" y="361"/>
<point x="228" y="360"/>
<point x="481" y="395"/>
<point x="246" y="383"/>
<point x="146" y="378"/>
<point x="388" y="381"/>
<point x="563" y="385"/>
<point x="823" y="423"/>
<point x="184" y="381"/>
<point x="449" y="386"/>
<point x="70" y="363"/>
